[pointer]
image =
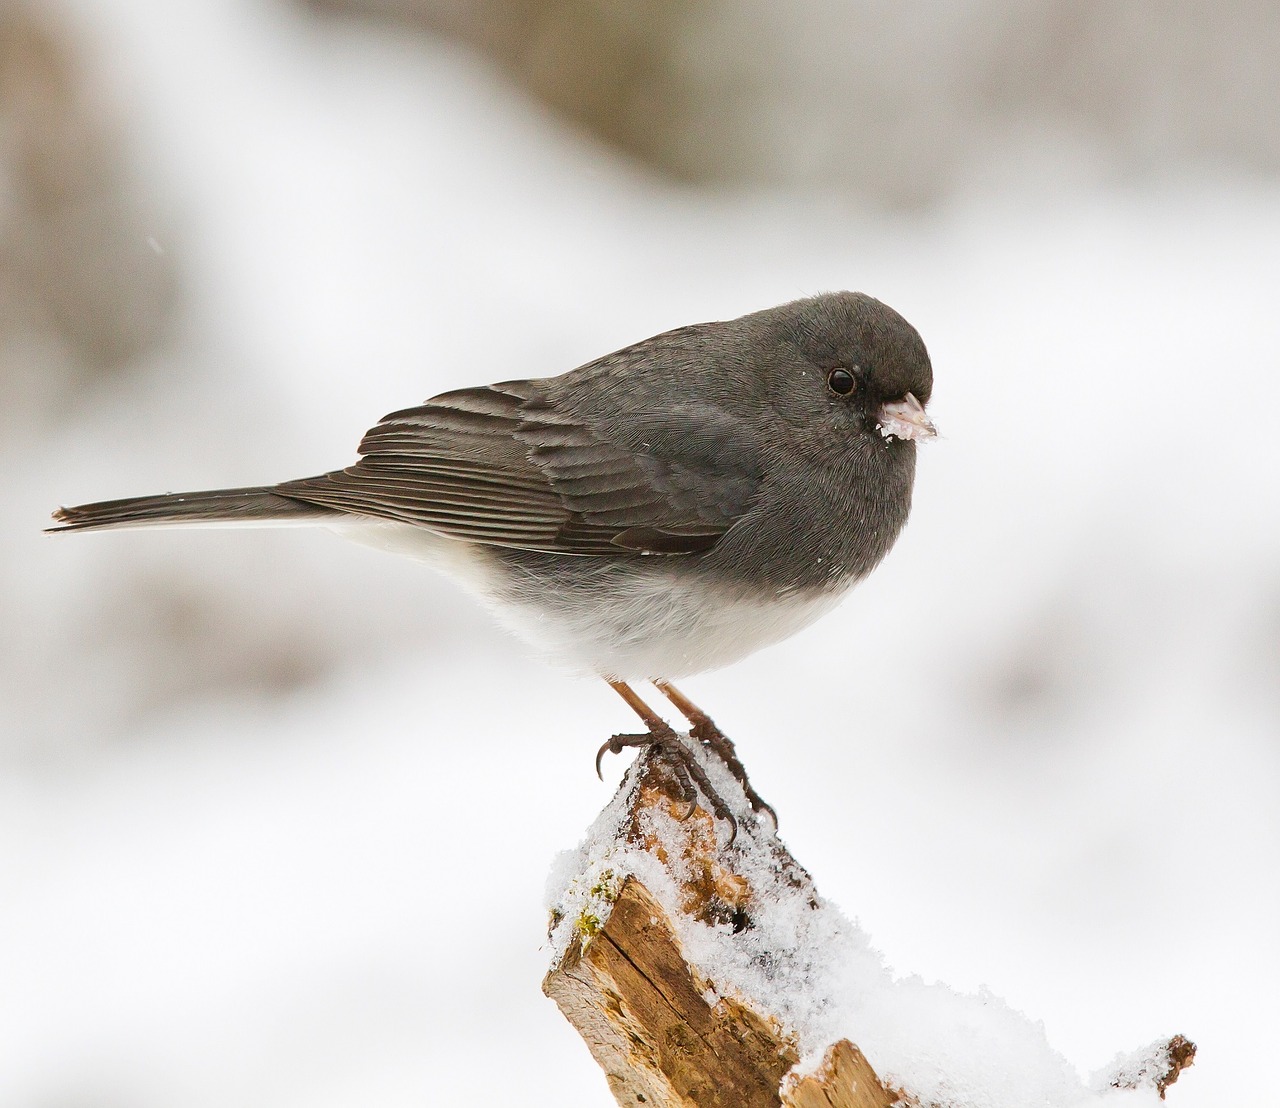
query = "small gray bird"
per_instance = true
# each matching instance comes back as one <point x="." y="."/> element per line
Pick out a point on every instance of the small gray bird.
<point x="663" y="510"/>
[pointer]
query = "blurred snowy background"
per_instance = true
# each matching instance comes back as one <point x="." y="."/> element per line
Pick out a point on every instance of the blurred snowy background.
<point x="276" y="811"/>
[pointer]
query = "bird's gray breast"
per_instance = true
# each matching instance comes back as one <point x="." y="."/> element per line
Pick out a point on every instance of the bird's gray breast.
<point x="819" y="526"/>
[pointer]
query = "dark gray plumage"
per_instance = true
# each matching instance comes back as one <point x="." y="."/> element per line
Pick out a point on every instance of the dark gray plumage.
<point x="666" y="508"/>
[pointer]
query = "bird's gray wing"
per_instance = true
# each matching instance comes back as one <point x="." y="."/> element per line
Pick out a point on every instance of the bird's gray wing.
<point x="509" y="465"/>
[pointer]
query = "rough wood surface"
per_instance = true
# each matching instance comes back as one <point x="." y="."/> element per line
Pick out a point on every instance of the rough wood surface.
<point x="845" y="1080"/>
<point x="644" y="1017"/>
<point x="1181" y="1053"/>
<point x="663" y="1036"/>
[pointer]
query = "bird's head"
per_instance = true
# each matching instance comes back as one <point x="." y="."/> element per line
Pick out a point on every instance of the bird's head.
<point x="858" y="362"/>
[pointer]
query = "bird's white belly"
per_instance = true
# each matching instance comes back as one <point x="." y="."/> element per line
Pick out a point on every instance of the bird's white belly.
<point x="657" y="628"/>
<point x="647" y="626"/>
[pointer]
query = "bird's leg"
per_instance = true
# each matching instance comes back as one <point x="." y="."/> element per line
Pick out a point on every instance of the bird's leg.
<point x="656" y="724"/>
<point x="703" y="729"/>
<point x="686" y="768"/>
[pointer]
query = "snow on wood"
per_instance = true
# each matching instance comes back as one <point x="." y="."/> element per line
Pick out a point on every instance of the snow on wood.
<point x="650" y="1024"/>
<point x="1156" y="1066"/>
<point x="704" y="973"/>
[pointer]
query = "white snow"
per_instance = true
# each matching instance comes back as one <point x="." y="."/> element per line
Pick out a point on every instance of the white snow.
<point x="276" y="811"/>
<point x="1143" y="1068"/>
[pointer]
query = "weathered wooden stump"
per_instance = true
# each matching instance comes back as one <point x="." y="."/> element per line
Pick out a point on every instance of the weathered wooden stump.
<point x="658" y="1007"/>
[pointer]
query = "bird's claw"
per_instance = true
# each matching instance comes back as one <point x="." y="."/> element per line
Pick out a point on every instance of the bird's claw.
<point x="618" y="743"/>
<point x="691" y="778"/>
<point x="707" y="733"/>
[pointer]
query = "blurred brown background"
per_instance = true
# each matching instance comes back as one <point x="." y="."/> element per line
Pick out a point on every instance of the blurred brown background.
<point x="889" y="102"/>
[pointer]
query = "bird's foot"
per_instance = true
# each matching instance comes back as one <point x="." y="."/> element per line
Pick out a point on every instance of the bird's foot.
<point x="691" y="779"/>
<point x="703" y="728"/>
<point x="722" y="746"/>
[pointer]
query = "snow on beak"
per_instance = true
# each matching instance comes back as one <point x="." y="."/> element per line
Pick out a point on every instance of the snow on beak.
<point x="905" y="419"/>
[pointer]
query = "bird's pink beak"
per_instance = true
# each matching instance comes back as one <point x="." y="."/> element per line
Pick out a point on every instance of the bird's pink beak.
<point x="905" y="419"/>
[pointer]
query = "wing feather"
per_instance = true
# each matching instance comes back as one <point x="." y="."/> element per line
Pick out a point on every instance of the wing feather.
<point x="507" y="465"/>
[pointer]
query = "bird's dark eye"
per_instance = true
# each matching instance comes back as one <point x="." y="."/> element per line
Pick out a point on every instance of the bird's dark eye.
<point x="841" y="381"/>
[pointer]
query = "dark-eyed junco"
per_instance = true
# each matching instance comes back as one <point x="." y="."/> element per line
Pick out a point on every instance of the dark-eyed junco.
<point x="666" y="509"/>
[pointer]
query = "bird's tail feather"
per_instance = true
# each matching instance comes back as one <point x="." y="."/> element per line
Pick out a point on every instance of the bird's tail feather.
<point x="227" y="506"/>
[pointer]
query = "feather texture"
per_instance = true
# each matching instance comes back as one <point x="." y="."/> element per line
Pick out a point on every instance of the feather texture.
<point x="509" y="466"/>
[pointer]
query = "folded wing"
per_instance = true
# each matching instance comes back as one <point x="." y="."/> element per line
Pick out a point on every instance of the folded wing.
<point x="508" y="465"/>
